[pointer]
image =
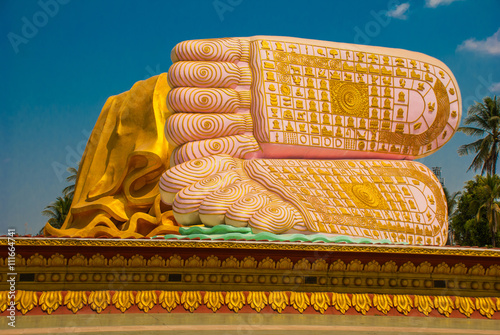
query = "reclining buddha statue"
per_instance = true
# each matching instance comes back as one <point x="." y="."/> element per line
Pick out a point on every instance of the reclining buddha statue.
<point x="281" y="135"/>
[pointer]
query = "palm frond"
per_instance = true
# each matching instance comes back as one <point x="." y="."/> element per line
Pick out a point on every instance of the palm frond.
<point x="57" y="211"/>
<point x="470" y="148"/>
<point x="69" y="191"/>
<point x="73" y="174"/>
<point x="483" y="120"/>
<point x="471" y="131"/>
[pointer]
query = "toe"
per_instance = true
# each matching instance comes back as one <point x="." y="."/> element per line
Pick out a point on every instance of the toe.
<point x="221" y="49"/>
<point x="276" y="217"/>
<point x="209" y="74"/>
<point x="187" y="201"/>
<point x="236" y="146"/>
<point x="208" y="100"/>
<point x="185" y="127"/>
<point x="214" y="207"/>
<point x="242" y="210"/>
<point x="190" y="172"/>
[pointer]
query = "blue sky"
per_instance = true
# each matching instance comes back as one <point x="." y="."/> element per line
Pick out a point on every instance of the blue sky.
<point x="61" y="59"/>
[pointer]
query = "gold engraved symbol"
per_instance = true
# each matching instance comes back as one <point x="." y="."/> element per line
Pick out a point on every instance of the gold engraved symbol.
<point x="285" y="89"/>
<point x="274" y="100"/>
<point x="365" y="195"/>
<point x="350" y="98"/>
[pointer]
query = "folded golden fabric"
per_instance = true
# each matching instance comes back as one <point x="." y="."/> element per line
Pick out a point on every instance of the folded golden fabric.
<point x="116" y="192"/>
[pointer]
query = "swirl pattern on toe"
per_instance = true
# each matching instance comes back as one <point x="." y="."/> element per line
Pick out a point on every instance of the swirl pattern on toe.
<point x="189" y="198"/>
<point x="219" y="201"/>
<point x="220" y="50"/>
<point x="209" y="100"/>
<point x="244" y="208"/>
<point x="209" y="74"/>
<point x="190" y="172"/>
<point x="276" y="217"/>
<point x="184" y="127"/>
<point x="236" y="146"/>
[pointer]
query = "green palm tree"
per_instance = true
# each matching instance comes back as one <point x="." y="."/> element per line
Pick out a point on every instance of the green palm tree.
<point x="451" y="201"/>
<point x="58" y="210"/>
<point x="485" y="120"/>
<point x="491" y="190"/>
<point x="70" y="189"/>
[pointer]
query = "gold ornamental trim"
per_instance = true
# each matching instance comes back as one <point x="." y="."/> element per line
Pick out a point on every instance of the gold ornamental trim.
<point x="138" y="261"/>
<point x="206" y="272"/>
<point x="254" y="245"/>
<point x="278" y="301"/>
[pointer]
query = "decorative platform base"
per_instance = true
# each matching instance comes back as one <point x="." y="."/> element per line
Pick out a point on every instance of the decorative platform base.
<point x="56" y="278"/>
<point x="245" y="324"/>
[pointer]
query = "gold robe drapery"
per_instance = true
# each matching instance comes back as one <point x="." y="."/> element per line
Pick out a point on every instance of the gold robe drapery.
<point x="116" y="191"/>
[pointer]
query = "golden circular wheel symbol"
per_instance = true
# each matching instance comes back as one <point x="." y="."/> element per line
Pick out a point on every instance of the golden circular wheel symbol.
<point x="366" y="195"/>
<point x="350" y="98"/>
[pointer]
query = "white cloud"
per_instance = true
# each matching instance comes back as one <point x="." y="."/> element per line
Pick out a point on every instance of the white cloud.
<point x="490" y="46"/>
<point x="495" y="87"/>
<point x="399" y="12"/>
<point x="435" y="3"/>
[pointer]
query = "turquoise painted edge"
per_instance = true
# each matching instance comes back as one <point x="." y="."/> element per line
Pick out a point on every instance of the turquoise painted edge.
<point x="226" y="232"/>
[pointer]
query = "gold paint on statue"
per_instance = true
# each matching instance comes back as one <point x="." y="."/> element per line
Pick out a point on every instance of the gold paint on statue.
<point x="361" y="303"/>
<point x="123" y="300"/>
<point x="76" y="300"/>
<point x="278" y="300"/>
<point x="99" y="300"/>
<point x="191" y="300"/>
<point x="25" y="300"/>
<point x="169" y="300"/>
<point x="403" y="303"/>
<point x="116" y="193"/>
<point x="341" y="302"/>
<point x="213" y="300"/>
<point x="349" y="98"/>
<point x="486" y="307"/>
<point x="444" y="305"/>
<point x="258" y="300"/>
